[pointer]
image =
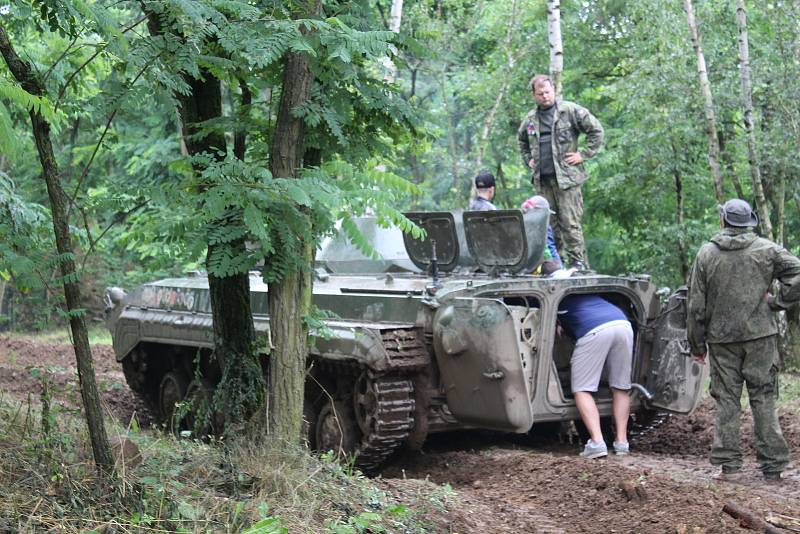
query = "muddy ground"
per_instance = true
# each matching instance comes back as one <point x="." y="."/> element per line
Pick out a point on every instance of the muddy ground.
<point x="505" y="484"/>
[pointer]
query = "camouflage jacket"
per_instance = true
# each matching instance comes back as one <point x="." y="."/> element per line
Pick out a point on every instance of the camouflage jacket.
<point x="728" y="300"/>
<point x="569" y="121"/>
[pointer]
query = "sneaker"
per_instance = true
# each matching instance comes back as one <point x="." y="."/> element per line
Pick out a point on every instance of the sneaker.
<point x="594" y="450"/>
<point x="621" y="448"/>
<point x="773" y="477"/>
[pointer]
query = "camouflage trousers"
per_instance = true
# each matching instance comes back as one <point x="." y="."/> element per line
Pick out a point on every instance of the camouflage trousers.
<point x="753" y="363"/>
<point x="568" y="205"/>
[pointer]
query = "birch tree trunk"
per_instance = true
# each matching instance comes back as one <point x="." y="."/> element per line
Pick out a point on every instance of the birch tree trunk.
<point x="708" y="104"/>
<point x="556" y="48"/>
<point x="395" y="18"/>
<point x="27" y="78"/>
<point x="451" y="136"/>
<point x="488" y="122"/>
<point x="747" y="102"/>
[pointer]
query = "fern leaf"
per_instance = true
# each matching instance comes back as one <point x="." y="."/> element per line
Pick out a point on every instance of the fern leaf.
<point x="7" y="136"/>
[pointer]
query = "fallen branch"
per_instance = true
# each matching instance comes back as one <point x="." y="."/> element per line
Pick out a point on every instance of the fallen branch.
<point x="784" y="521"/>
<point x="748" y="519"/>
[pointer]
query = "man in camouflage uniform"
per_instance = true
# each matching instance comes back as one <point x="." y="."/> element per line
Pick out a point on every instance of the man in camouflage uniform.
<point x="730" y="310"/>
<point x="548" y="144"/>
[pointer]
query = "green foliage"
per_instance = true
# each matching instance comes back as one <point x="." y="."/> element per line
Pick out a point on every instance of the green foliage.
<point x="179" y="485"/>
<point x="25" y="237"/>
<point x="18" y="96"/>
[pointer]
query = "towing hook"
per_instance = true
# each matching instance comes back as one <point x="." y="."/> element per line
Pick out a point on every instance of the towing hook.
<point x="643" y="390"/>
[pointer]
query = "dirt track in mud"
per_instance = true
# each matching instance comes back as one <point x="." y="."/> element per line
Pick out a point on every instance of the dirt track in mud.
<point x="504" y="483"/>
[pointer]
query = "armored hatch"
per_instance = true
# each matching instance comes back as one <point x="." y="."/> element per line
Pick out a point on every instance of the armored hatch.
<point x="507" y="240"/>
<point x="510" y="241"/>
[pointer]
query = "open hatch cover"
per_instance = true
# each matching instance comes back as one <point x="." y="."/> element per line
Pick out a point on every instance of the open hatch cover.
<point x="439" y="226"/>
<point x="507" y="240"/>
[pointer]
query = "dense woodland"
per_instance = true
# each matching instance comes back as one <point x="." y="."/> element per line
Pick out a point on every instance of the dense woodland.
<point x="111" y="90"/>
<point x="141" y="139"/>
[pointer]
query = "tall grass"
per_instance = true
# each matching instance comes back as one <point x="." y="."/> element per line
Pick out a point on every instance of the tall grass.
<point x="250" y="485"/>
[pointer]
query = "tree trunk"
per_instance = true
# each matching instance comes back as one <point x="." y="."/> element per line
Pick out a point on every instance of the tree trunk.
<point x="488" y="123"/>
<point x="451" y="137"/>
<point x="747" y="101"/>
<point x="708" y="104"/>
<point x="231" y="313"/>
<point x="240" y="136"/>
<point x="727" y="161"/>
<point x="683" y="255"/>
<point x="22" y="72"/>
<point x="394" y="26"/>
<point x="290" y="297"/>
<point x="556" y="48"/>
<point x="241" y="390"/>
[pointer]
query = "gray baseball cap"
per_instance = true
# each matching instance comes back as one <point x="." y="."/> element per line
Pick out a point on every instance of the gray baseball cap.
<point x="737" y="212"/>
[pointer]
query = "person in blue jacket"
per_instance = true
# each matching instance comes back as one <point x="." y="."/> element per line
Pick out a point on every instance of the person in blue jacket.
<point x="603" y="339"/>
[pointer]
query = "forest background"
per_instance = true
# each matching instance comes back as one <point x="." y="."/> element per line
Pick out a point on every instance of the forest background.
<point x="161" y="136"/>
<point x="453" y="107"/>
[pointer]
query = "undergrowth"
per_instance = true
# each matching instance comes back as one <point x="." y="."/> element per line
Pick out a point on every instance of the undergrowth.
<point x="49" y="483"/>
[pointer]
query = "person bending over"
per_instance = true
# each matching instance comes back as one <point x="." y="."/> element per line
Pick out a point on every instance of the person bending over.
<point x="603" y="339"/>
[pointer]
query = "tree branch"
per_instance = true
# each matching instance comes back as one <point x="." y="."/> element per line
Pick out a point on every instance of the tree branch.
<point x="91" y="58"/>
<point x="100" y="142"/>
<point x="116" y="220"/>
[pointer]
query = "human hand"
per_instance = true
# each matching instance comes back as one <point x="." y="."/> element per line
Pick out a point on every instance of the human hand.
<point x="573" y="158"/>
<point x="531" y="163"/>
<point x="699" y="357"/>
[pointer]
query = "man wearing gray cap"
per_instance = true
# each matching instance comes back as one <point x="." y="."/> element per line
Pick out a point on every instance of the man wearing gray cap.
<point x="731" y="312"/>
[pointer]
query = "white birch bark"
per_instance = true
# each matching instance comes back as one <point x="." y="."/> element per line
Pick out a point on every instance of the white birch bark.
<point x="747" y="102"/>
<point x="556" y="48"/>
<point x="395" y="17"/>
<point x="451" y="136"/>
<point x="708" y="104"/>
<point x="511" y="60"/>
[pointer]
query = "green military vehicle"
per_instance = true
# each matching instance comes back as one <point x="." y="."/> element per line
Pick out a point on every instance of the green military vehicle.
<point x="448" y="332"/>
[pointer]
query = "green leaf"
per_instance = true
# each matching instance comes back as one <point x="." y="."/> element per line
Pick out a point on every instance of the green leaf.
<point x="26" y="101"/>
<point x="270" y="525"/>
<point x="187" y="511"/>
<point x="7" y="134"/>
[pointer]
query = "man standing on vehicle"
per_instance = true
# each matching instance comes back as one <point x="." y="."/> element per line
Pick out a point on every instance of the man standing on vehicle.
<point x="548" y="144"/>
<point x="731" y="311"/>
<point x="484" y="187"/>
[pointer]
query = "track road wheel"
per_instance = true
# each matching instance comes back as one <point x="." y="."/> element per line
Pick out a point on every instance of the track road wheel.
<point x="171" y="391"/>
<point x="199" y="397"/>
<point x="308" y="431"/>
<point x="337" y="430"/>
<point x="365" y="403"/>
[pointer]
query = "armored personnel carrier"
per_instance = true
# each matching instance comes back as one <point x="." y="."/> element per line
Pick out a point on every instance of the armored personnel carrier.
<point x="448" y="332"/>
